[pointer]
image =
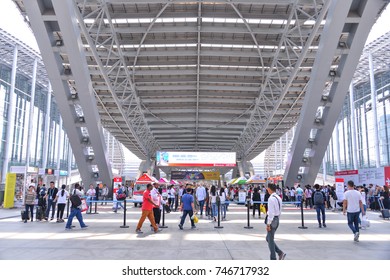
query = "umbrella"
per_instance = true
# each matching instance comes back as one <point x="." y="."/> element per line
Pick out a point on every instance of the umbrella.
<point x="163" y="181"/>
<point x="256" y="179"/>
<point x="173" y="182"/>
<point x="231" y="182"/>
<point x="240" y="181"/>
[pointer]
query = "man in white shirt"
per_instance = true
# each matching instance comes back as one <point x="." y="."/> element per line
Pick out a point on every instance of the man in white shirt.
<point x="352" y="204"/>
<point x="156" y="198"/>
<point x="272" y="222"/>
<point x="201" y="197"/>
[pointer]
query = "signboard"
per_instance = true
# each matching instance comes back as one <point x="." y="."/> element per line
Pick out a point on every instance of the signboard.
<point x="22" y="169"/>
<point x="387" y="175"/>
<point x="340" y="189"/>
<point x="365" y="176"/>
<point x="9" y="193"/>
<point x="374" y="176"/>
<point x="63" y="173"/>
<point x="196" y="159"/>
<point x="117" y="181"/>
<point x="194" y="175"/>
<point x="49" y="171"/>
<point x="348" y="175"/>
<point x="241" y="196"/>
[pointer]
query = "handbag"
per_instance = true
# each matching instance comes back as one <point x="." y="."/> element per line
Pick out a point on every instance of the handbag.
<point x="262" y="209"/>
<point x="365" y="221"/>
<point x="84" y="205"/>
<point x="195" y="218"/>
<point x="121" y="196"/>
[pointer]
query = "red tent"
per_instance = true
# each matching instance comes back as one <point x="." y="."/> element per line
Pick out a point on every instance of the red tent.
<point x="146" y="178"/>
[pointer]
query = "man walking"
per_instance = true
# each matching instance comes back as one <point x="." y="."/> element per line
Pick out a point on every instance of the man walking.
<point x="187" y="206"/>
<point x="272" y="222"/>
<point x="319" y="199"/>
<point x="201" y="196"/>
<point x="147" y="210"/>
<point x="75" y="210"/>
<point x="352" y="204"/>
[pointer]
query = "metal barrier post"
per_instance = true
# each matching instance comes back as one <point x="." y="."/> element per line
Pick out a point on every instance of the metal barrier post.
<point x="90" y="208"/>
<point x="163" y="218"/>
<point x="248" y="203"/>
<point x="124" y="216"/>
<point x="67" y="208"/>
<point x="302" y="219"/>
<point x="219" y="214"/>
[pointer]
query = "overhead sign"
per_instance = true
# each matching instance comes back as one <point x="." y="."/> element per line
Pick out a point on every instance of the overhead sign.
<point x="193" y="175"/>
<point x="218" y="159"/>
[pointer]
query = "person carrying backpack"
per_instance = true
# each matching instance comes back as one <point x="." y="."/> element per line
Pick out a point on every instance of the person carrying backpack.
<point x="319" y="202"/>
<point x="75" y="208"/>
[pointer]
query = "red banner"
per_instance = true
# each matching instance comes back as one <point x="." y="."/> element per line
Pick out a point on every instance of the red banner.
<point x="387" y="175"/>
<point x="346" y="172"/>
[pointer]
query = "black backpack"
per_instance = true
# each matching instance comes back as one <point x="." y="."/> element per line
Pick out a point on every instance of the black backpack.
<point x="318" y="198"/>
<point x="75" y="199"/>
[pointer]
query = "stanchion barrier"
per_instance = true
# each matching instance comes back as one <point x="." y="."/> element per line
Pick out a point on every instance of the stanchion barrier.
<point x="163" y="219"/>
<point x="90" y="203"/>
<point x="219" y="215"/>
<point x="248" y="204"/>
<point x="67" y="208"/>
<point x="303" y="222"/>
<point x="124" y="215"/>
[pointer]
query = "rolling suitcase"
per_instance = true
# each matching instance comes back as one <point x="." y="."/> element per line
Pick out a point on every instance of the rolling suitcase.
<point x="25" y="215"/>
<point x="39" y="215"/>
<point x="385" y="212"/>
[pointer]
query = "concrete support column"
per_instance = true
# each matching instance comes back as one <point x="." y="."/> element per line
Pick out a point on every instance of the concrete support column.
<point x="59" y="148"/>
<point x="30" y="123"/>
<point x="338" y="161"/>
<point x="146" y="166"/>
<point x="70" y="155"/>
<point x="245" y="167"/>
<point x="375" y="116"/>
<point x="324" y="169"/>
<point x="9" y="138"/>
<point x="240" y="168"/>
<point x="47" y="126"/>
<point x="31" y="113"/>
<point x="353" y="127"/>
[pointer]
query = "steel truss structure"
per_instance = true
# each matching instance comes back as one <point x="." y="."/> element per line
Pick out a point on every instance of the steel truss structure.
<point x="195" y="75"/>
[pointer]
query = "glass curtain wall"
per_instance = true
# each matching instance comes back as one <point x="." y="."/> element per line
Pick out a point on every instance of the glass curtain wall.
<point x="21" y="112"/>
<point x="365" y="121"/>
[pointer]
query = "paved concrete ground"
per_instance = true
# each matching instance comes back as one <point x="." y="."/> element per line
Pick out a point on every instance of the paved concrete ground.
<point x="105" y="239"/>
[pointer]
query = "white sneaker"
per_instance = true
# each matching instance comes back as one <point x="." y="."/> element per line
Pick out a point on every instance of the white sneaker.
<point x="356" y="237"/>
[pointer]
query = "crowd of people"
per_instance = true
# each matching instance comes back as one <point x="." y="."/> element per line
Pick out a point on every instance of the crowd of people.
<point x="210" y="201"/>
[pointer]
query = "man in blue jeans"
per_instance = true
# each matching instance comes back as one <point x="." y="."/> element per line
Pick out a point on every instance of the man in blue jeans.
<point x="75" y="211"/>
<point x="187" y="206"/>
<point x="319" y="199"/>
<point x="201" y="196"/>
<point x="352" y="204"/>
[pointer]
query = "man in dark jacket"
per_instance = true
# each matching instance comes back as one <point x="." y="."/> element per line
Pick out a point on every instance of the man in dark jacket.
<point x="319" y="199"/>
